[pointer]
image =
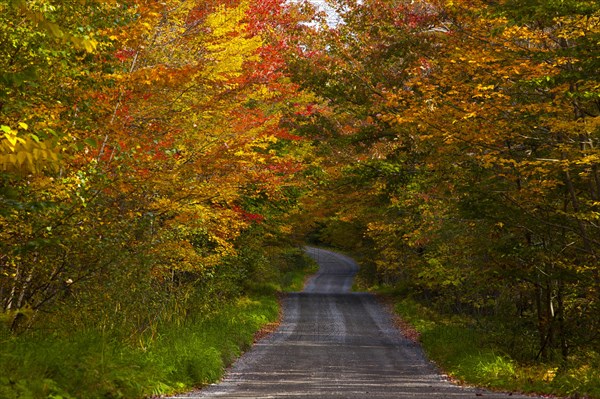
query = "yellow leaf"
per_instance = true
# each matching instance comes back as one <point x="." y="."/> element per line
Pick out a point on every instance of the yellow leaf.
<point x="90" y="45"/>
<point x="21" y="157"/>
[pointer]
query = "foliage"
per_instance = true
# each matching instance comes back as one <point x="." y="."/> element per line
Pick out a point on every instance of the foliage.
<point x="156" y="158"/>
<point x="470" y="353"/>
<point x="149" y="158"/>
<point x="160" y="144"/>
<point x="461" y="144"/>
<point x="180" y="357"/>
<point x="173" y="357"/>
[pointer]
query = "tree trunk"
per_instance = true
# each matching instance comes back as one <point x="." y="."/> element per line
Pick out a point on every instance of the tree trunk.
<point x="13" y="289"/>
<point x="575" y="203"/>
<point x="560" y="313"/>
<point x="541" y="320"/>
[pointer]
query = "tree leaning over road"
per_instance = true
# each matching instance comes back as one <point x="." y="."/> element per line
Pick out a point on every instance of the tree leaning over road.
<point x="144" y="144"/>
<point x="469" y="134"/>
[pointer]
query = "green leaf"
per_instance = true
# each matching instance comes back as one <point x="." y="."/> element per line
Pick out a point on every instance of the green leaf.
<point x="91" y="142"/>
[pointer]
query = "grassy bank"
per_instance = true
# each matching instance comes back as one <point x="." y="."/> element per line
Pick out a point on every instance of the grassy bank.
<point x="90" y="365"/>
<point x="174" y="358"/>
<point x="473" y="355"/>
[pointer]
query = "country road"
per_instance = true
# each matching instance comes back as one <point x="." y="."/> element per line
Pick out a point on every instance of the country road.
<point x="336" y="344"/>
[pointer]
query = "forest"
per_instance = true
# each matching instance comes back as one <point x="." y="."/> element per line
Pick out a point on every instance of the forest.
<point x="162" y="163"/>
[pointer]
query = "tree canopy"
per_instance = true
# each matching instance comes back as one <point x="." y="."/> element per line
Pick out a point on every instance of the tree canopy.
<point x="153" y="150"/>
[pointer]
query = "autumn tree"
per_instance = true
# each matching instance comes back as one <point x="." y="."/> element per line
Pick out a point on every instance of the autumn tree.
<point x="170" y="141"/>
<point x="468" y="129"/>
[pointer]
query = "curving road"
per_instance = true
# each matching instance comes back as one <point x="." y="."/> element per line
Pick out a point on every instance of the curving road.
<point x="336" y="344"/>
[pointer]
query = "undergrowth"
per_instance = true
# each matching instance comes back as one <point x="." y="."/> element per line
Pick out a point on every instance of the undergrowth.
<point x="470" y="355"/>
<point x="90" y="365"/>
<point x="175" y="358"/>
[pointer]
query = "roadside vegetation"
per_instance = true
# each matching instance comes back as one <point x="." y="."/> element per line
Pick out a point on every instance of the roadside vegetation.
<point x="149" y="165"/>
<point x="61" y="361"/>
<point x="480" y="351"/>
<point x="159" y="160"/>
<point x="461" y="167"/>
<point x="89" y="364"/>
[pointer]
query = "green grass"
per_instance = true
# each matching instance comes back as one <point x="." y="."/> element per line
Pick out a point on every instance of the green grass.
<point x="173" y="358"/>
<point x="469" y="355"/>
<point x="90" y="365"/>
<point x="293" y="280"/>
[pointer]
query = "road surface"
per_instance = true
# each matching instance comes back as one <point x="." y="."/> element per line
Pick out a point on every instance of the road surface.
<point x="336" y="344"/>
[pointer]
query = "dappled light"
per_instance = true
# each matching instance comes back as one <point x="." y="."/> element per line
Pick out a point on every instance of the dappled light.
<point x="171" y="172"/>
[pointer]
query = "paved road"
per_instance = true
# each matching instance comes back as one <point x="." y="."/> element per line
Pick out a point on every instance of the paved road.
<point x="336" y="344"/>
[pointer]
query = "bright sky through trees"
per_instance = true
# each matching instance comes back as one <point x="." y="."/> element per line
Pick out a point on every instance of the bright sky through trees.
<point x="333" y="18"/>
